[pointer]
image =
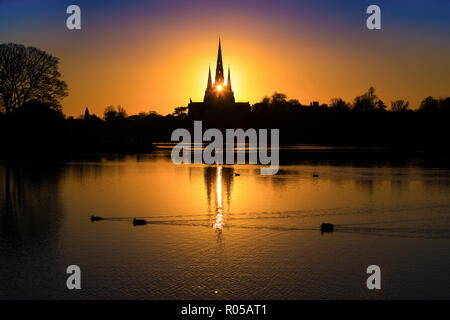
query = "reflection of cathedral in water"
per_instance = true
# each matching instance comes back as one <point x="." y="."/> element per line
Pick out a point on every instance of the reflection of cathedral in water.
<point x="219" y="181"/>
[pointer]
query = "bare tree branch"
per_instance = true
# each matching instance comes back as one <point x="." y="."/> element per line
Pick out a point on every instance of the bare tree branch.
<point x="26" y="74"/>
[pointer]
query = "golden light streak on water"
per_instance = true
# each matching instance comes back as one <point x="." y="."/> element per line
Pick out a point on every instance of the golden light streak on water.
<point x="219" y="209"/>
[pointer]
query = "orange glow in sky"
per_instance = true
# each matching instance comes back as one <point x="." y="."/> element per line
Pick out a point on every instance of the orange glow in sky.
<point x="159" y="63"/>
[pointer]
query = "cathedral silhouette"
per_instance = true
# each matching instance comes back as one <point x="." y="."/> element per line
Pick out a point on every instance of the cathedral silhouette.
<point x="219" y="97"/>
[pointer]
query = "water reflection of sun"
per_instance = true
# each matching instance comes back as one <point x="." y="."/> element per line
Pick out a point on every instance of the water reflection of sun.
<point x="219" y="208"/>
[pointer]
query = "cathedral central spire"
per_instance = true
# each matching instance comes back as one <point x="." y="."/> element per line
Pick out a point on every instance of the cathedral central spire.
<point x="218" y="91"/>
<point x="219" y="68"/>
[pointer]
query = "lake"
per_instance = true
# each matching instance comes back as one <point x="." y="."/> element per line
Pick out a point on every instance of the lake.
<point x="224" y="232"/>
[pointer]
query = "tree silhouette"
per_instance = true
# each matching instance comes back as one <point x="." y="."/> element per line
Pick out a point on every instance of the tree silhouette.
<point x="399" y="105"/>
<point x="110" y="113"/>
<point x="278" y="98"/>
<point x="121" y="112"/>
<point x="429" y="104"/>
<point x="380" y="106"/>
<point x="367" y="102"/>
<point x="339" y="104"/>
<point x="180" y="112"/>
<point x="28" y="74"/>
<point x="444" y="104"/>
<point x="113" y="113"/>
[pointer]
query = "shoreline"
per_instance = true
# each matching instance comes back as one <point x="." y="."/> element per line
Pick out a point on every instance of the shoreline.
<point x="289" y="154"/>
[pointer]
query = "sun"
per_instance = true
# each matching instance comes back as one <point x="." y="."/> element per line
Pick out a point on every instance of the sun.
<point x="219" y="87"/>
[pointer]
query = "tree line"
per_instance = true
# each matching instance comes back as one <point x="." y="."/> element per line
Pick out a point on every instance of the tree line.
<point x="32" y="120"/>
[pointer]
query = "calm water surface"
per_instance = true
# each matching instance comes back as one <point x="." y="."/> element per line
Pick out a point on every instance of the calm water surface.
<point x="217" y="235"/>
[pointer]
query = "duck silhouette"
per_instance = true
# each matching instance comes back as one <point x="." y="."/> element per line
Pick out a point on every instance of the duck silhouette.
<point x="326" y="227"/>
<point x="139" y="222"/>
<point x="95" y="218"/>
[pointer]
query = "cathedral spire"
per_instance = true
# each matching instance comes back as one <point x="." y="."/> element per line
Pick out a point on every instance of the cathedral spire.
<point x="219" y="68"/>
<point x="216" y="91"/>
<point x="229" y="79"/>
<point x="209" y="80"/>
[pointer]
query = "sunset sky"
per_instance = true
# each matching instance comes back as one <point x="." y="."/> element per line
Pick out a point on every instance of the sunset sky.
<point x="154" y="55"/>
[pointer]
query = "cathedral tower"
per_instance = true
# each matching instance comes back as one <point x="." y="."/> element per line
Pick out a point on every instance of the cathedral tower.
<point x="218" y="92"/>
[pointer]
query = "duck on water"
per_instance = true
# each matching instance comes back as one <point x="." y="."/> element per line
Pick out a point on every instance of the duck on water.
<point x="326" y="227"/>
<point x="136" y="222"/>
<point x="139" y="222"/>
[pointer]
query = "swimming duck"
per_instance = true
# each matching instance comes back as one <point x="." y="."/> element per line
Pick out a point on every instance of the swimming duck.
<point x="326" y="227"/>
<point x="138" y="222"/>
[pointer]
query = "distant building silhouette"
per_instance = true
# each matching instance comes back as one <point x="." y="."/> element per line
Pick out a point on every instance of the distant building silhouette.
<point x="87" y="116"/>
<point x="219" y="96"/>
